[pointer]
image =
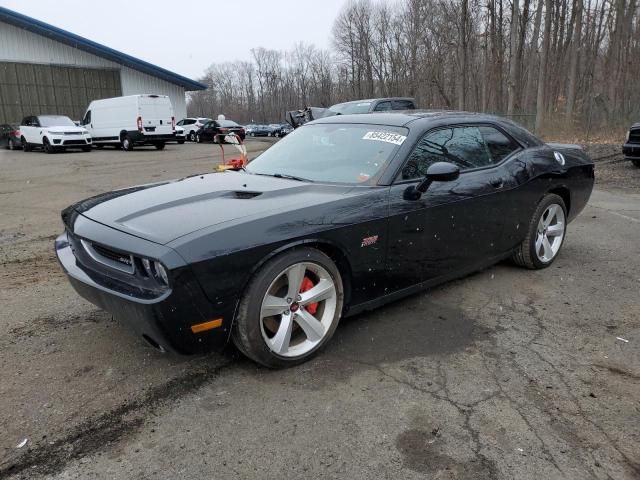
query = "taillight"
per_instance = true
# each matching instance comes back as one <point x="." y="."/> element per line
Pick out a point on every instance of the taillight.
<point x="173" y="122"/>
<point x="224" y="130"/>
<point x="139" y="121"/>
<point x="15" y="133"/>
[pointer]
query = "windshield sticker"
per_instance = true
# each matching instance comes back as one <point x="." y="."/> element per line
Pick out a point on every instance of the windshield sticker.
<point x="388" y="137"/>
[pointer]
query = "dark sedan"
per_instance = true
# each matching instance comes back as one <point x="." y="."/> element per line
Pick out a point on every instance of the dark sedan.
<point x="10" y="137"/>
<point x="343" y="215"/>
<point x="215" y="130"/>
<point x="631" y="147"/>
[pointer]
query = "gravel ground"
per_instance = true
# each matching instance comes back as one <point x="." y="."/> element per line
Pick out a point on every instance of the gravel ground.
<point x="504" y="374"/>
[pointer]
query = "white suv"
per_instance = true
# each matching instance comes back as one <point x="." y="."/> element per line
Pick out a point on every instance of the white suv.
<point x="53" y="133"/>
<point x="191" y="126"/>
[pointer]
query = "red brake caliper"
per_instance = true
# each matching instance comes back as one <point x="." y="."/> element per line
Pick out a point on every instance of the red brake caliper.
<point x="307" y="284"/>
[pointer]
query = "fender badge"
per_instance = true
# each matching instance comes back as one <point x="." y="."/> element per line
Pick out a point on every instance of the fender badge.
<point x="368" y="241"/>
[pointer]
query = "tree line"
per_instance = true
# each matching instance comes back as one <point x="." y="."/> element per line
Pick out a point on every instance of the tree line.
<point x="550" y="64"/>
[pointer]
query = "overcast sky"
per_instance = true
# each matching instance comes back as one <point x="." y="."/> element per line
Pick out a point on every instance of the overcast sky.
<point x="186" y="37"/>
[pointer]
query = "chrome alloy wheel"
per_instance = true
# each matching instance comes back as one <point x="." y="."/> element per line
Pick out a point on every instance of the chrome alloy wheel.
<point x="550" y="233"/>
<point x="298" y="309"/>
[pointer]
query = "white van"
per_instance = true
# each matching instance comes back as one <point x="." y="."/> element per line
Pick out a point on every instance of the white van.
<point x="131" y="120"/>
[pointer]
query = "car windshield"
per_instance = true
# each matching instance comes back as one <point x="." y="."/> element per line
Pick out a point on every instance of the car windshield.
<point x="55" y="121"/>
<point x="337" y="153"/>
<point x="351" y="107"/>
<point x="227" y="123"/>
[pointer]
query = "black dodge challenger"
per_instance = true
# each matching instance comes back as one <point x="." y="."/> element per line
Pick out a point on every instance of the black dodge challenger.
<point x="344" y="214"/>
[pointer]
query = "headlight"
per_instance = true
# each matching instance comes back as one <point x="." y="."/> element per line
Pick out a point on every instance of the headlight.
<point x="51" y="132"/>
<point x="161" y="272"/>
<point x="156" y="270"/>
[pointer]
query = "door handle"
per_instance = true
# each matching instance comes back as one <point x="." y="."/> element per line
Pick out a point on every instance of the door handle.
<point x="497" y="182"/>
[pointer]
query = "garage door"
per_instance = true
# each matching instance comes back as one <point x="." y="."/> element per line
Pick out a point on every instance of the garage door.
<point x="30" y="89"/>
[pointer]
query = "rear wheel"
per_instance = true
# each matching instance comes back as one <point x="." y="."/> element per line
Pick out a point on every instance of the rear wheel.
<point x="159" y="145"/>
<point x="198" y="139"/>
<point x="127" y="143"/>
<point x="545" y="234"/>
<point x="636" y="162"/>
<point x="290" y="309"/>
<point x="11" y="145"/>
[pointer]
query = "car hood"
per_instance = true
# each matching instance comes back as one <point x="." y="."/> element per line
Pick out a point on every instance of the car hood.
<point x="60" y="129"/>
<point x="164" y="212"/>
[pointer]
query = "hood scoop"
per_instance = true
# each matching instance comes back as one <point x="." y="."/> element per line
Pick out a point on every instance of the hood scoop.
<point x="243" y="195"/>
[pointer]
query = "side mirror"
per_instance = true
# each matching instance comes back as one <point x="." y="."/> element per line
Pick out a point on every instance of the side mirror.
<point x="438" y="172"/>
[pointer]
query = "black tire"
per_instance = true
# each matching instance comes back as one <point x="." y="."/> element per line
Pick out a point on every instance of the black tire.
<point x="525" y="255"/>
<point x="25" y="146"/>
<point x="126" y="143"/>
<point x="86" y="149"/>
<point x="252" y="134"/>
<point x="159" y="145"/>
<point x="11" y="145"/>
<point x="46" y="145"/>
<point x="198" y="139"/>
<point x="247" y="332"/>
<point x="192" y="136"/>
<point x="636" y="162"/>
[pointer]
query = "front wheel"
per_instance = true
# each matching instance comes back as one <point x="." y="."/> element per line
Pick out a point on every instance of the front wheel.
<point x="290" y="309"/>
<point x="545" y="234"/>
<point x="192" y="136"/>
<point x="198" y="139"/>
<point x="636" y="162"/>
<point x="48" y="148"/>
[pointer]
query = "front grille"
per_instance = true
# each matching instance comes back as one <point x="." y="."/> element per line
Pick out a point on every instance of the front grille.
<point x="112" y="258"/>
<point x="634" y="136"/>
<point x="74" y="142"/>
<point x="72" y="133"/>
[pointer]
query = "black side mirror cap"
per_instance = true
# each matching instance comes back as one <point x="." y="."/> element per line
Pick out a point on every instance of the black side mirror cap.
<point x="438" y="172"/>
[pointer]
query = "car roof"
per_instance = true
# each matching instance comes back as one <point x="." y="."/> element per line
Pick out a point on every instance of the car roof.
<point x="401" y="118"/>
<point x="370" y="100"/>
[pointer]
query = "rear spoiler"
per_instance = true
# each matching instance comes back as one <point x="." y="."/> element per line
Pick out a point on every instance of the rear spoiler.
<point x="297" y="118"/>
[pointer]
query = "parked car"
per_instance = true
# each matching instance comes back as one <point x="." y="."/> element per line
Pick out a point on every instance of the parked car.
<point x="53" y="133"/>
<point x="191" y="126"/>
<point x="131" y="120"/>
<point x="279" y="129"/>
<point x="343" y="215"/>
<point x="10" y="137"/>
<point x="180" y="136"/>
<point x="298" y="118"/>
<point x="255" y="130"/>
<point x="211" y="131"/>
<point x="631" y="148"/>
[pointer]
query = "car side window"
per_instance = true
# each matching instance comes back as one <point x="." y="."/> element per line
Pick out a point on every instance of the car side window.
<point x="35" y="122"/>
<point x="382" y="107"/>
<point x="499" y="145"/>
<point x="463" y="146"/>
<point x="403" y="105"/>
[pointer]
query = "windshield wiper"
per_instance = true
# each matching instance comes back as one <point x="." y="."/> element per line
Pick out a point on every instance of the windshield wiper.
<point x="291" y="177"/>
<point x="281" y="175"/>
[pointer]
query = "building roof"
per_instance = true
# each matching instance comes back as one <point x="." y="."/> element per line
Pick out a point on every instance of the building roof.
<point x="76" y="41"/>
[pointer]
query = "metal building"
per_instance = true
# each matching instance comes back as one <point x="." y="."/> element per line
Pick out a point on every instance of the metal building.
<point x="44" y="69"/>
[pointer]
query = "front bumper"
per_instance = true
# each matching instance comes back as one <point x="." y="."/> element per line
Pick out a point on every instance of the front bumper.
<point x="70" y="141"/>
<point x="165" y="320"/>
<point x="631" y="151"/>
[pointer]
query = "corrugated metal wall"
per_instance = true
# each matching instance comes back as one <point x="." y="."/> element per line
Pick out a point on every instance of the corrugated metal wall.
<point x="32" y="89"/>
<point x="92" y="78"/>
